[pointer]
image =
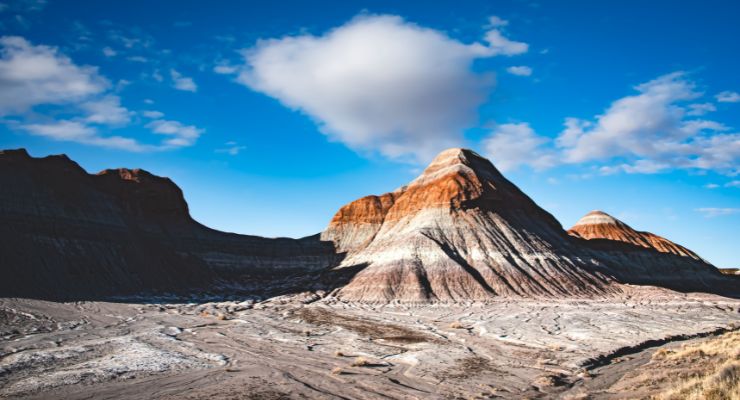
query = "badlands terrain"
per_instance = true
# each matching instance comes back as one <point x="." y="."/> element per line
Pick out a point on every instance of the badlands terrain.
<point x="456" y="285"/>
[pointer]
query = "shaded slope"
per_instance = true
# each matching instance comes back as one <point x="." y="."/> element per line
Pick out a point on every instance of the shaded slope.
<point x="66" y="234"/>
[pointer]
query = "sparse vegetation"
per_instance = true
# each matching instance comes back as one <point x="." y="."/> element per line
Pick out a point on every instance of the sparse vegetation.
<point x="337" y="371"/>
<point x="457" y="325"/>
<point x="361" y="362"/>
<point x="545" y="381"/>
<point x="338" y="354"/>
<point x="716" y="372"/>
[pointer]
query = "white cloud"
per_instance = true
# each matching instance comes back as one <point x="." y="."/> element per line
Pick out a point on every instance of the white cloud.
<point x="32" y="75"/>
<point x="157" y="76"/>
<point x="501" y="45"/>
<point x="152" y="114"/>
<point x="108" y="52"/>
<point x="735" y="184"/>
<point x="711" y="186"/>
<point x="225" y="69"/>
<point x="78" y="132"/>
<point x="106" y="110"/>
<point x="728" y="97"/>
<point x="634" y="124"/>
<point x="519" y="70"/>
<point x="379" y="83"/>
<point x="496" y="22"/>
<point x="646" y="133"/>
<point x="513" y="145"/>
<point x="40" y="75"/>
<point x="180" y="135"/>
<point x="651" y="131"/>
<point x="138" y="59"/>
<point x="701" y="109"/>
<point x="183" y="83"/>
<point x="637" y="167"/>
<point x="232" y="148"/>
<point x="711" y="212"/>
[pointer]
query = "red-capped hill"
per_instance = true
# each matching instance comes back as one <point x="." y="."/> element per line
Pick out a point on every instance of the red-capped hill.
<point x="600" y="225"/>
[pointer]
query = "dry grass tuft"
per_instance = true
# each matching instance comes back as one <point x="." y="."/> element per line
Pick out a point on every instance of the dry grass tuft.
<point x="457" y="325"/>
<point x="545" y="381"/>
<point x="361" y="362"/>
<point x="221" y="317"/>
<point x="555" y="347"/>
<point x="337" y="371"/>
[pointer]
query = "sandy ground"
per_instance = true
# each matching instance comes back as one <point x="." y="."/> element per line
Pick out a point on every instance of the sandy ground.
<point x="302" y="346"/>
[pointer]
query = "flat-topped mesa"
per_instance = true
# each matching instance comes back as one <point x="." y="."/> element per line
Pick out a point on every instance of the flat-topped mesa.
<point x="600" y="225"/>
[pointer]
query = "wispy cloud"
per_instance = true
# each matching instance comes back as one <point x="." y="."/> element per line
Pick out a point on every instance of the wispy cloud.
<point x="700" y="109"/>
<point x="108" y="52"/>
<point x="32" y="75"/>
<point x="75" y="131"/>
<point x="152" y="114"/>
<point x="180" y="82"/>
<point x="106" y="110"/>
<point x="138" y="59"/>
<point x="180" y="135"/>
<point x="513" y="145"/>
<point x="225" y="69"/>
<point x="728" y="97"/>
<point x="519" y="70"/>
<point x="36" y="75"/>
<point x="712" y="212"/>
<point x="232" y="148"/>
<point x="649" y="132"/>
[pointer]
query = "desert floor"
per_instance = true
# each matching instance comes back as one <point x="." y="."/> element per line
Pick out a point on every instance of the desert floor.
<point x="301" y="346"/>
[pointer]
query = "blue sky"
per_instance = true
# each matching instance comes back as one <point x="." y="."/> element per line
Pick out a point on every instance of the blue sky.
<point x="271" y="117"/>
